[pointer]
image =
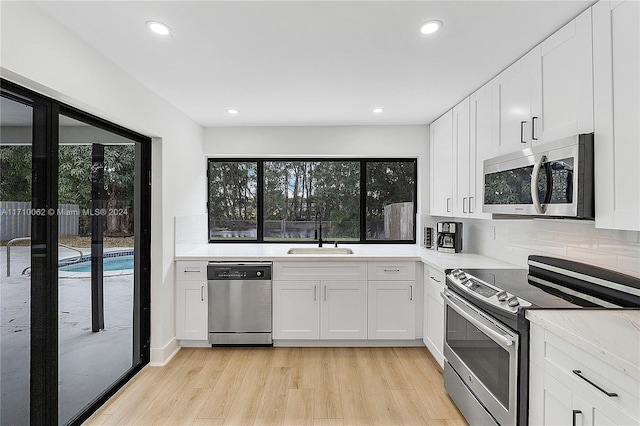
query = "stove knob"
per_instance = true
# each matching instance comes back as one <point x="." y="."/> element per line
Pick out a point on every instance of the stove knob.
<point x="513" y="301"/>
<point x="502" y="296"/>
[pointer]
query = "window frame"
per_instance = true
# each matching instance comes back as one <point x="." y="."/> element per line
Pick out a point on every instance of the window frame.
<point x="363" y="196"/>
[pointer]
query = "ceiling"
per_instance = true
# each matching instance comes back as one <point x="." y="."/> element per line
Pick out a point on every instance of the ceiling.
<point x="313" y="62"/>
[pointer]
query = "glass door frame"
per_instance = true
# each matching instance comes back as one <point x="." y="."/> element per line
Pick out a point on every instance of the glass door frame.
<point x="44" y="252"/>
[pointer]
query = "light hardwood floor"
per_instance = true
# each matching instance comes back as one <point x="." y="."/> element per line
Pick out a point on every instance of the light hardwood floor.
<point x="286" y="386"/>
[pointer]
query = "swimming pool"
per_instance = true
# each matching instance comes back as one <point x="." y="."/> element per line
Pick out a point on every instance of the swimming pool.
<point x="110" y="264"/>
<point x="114" y="263"/>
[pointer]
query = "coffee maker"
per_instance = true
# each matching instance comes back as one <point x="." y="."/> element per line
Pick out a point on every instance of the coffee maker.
<point x="449" y="237"/>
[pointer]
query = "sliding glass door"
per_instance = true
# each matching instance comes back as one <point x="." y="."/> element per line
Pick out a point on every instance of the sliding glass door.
<point x="16" y="133"/>
<point x="75" y="308"/>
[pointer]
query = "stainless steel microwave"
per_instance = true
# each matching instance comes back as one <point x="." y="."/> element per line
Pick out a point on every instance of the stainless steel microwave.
<point x="554" y="179"/>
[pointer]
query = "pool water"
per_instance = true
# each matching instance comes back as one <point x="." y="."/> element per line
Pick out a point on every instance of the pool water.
<point x="110" y="264"/>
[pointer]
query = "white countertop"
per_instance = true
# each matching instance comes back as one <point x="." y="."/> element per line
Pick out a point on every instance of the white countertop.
<point x="278" y="252"/>
<point x="612" y="336"/>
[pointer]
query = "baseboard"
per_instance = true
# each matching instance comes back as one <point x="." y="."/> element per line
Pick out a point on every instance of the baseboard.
<point x="348" y="343"/>
<point x="161" y="356"/>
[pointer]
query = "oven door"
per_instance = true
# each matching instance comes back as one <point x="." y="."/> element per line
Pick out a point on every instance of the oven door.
<point x="484" y="353"/>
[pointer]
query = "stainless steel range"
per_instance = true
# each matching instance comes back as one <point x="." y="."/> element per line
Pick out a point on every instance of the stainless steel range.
<point x="487" y="335"/>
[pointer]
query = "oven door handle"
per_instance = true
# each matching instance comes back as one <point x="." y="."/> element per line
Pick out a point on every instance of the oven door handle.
<point x="497" y="337"/>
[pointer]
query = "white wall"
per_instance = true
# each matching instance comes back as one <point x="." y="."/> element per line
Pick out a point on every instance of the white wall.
<point x="570" y="239"/>
<point x="38" y="53"/>
<point x="325" y="141"/>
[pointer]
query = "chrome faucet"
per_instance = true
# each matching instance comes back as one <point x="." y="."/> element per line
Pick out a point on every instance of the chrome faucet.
<point x="319" y="229"/>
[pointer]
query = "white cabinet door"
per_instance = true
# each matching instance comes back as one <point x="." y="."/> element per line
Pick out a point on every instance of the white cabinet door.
<point x="391" y="310"/>
<point x="567" y="81"/>
<point x="616" y="65"/>
<point x="191" y="310"/>
<point x="434" y="314"/>
<point x="296" y="309"/>
<point x="557" y="403"/>
<point x="343" y="312"/>
<point x="462" y="159"/>
<point x="441" y="170"/>
<point x="481" y="146"/>
<point x="517" y="102"/>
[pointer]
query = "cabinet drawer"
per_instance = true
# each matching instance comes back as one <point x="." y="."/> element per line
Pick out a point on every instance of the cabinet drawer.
<point x="325" y="271"/>
<point x="562" y="359"/>
<point x="191" y="271"/>
<point x="434" y="278"/>
<point x="391" y="271"/>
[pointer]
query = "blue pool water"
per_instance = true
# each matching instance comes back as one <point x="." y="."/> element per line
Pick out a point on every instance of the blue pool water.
<point x="110" y="264"/>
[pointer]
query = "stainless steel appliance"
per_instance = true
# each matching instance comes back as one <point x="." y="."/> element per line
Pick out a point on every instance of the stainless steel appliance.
<point x="239" y="303"/>
<point x="449" y="237"/>
<point x="487" y="335"/>
<point x="554" y="179"/>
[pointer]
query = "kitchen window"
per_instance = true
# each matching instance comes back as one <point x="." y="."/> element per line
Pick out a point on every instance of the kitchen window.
<point x="289" y="200"/>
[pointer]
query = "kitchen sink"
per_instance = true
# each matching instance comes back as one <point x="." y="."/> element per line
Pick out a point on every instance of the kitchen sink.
<point x="320" y="250"/>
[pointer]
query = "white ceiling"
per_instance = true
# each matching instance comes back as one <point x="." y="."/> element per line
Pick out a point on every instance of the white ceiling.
<point x="313" y="62"/>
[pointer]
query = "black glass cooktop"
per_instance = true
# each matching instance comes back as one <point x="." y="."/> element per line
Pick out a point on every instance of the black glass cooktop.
<point x="516" y="282"/>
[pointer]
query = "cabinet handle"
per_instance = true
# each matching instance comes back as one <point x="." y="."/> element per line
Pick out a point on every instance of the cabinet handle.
<point x="533" y="128"/>
<point x="448" y="205"/>
<point x="325" y="293"/>
<point x="202" y="293"/>
<point x="573" y="417"/>
<point x="410" y="292"/>
<point x="187" y="270"/>
<point x="464" y="204"/>
<point x="579" y="374"/>
<point x="315" y="293"/>
<point x="438" y="281"/>
<point x="470" y="204"/>
<point x="392" y="270"/>
<point x="522" y="123"/>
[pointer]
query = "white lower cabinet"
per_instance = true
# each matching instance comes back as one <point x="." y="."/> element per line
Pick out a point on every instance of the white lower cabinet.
<point x="392" y="306"/>
<point x="569" y="386"/>
<point x="343" y="310"/>
<point x="335" y="301"/>
<point x="319" y="300"/>
<point x="392" y="310"/>
<point x="296" y="310"/>
<point x="319" y="310"/>
<point x="191" y="301"/>
<point x="434" y="313"/>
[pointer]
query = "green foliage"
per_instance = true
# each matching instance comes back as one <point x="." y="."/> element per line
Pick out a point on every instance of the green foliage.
<point x="15" y="173"/>
<point x="74" y="179"/>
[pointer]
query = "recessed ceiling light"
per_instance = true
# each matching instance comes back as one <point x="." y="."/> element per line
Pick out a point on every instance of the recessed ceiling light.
<point x="159" y="28"/>
<point x="430" y="27"/>
<point x="378" y="110"/>
<point x="232" y="111"/>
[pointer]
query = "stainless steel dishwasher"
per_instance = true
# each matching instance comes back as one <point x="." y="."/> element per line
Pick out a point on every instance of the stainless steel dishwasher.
<point x="239" y="303"/>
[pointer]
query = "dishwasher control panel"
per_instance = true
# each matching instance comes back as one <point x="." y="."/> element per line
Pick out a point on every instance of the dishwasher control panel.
<point x="239" y="271"/>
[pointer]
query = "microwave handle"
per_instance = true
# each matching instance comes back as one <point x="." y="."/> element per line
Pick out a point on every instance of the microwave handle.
<point x="540" y="208"/>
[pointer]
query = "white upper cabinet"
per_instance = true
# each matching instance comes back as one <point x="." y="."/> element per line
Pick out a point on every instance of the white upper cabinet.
<point x="517" y="103"/>
<point x="441" y="170"/>
<point x="462" y="161"/>
<point x="567" y="82"/>
<point x="616" y="67"/>
<point x="483" y="127"/>
<point x="548" y="93"/>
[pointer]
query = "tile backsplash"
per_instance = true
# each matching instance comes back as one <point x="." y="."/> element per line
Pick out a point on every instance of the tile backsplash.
<point x="514" y="240"/>
<point x="190" y="232"/>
